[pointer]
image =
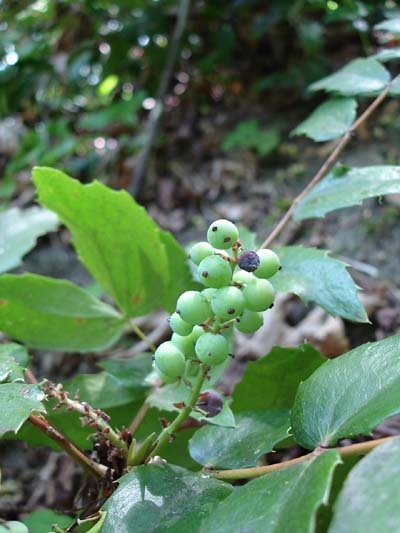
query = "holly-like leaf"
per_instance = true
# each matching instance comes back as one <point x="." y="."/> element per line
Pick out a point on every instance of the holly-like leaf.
<point x="115" y="238"/>
<point x="255" y="434"/>
<point x="349" y="395"/>
<point x="357" y="184"/>
<point x="19" y="230"/>
<point x="267" y="383"/>
<point x="17" y="401"/>
<point x="369" y="500"/>
<point x="329" y="121"/>
<point x="361" y="76"/>
<point x="284" y="500"/>
<point x="155" y="498"/>
<point x="46" y="313"/>
<point x="315" y="277"/>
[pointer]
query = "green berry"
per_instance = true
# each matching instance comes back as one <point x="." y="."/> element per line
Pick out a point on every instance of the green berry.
<point x="186" y="343"/>
<point x="249" y="321"/>
<point x="200" y="251"/>
<point x="259" y="296"/>
<point x="269" y="264"/>
<point x="165" y="378"/>
<point x="212" y="349"/>
<point x="193" y="308"/>
<point x="170" y="360"/>
<point x="215" y="272"/>
<point x="222" y="234"/>
<point x="13" y="527"/>
<point x="228" y="303"/>
<point x="179" y="326"/>
<point x="243" y="277"/>
<point x="208" y="293"/>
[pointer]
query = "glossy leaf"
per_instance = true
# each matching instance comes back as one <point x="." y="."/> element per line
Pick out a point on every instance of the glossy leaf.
<point x="17" y="401"/>
<point x="19" y="230"/>
<point x="391" y="25"/>
<point x="330" y="120"/>
<point x="282" y="501"/>
<point x="349" y="395"/>
<point x="361" y="76"/>
<point x="387" y="54"/>
<point x="255" y="434"/>
<point x="369" y="500"/>
<point x="162" y="498"/>
<point x="54" y="314"/>
<point x="315" y="277"/>
<point x="351" y="188"/>
<point x="42" y="520"/>
<point x="267" y="383"/>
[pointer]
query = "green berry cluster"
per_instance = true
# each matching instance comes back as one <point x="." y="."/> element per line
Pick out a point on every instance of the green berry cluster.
<point x="237" y="291"/>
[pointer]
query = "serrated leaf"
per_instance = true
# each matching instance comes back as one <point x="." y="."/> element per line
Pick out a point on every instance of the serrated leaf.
<point x="17" y="401"/>
<point x="55" y="314"/>
<point x="162" y="498"/>
<point x="115" y="238"/>
<point x="360" y="76"/>
<point x="315" y="277"/>
<point x="369" y="500"/>
<point x="351" y="188"/>
<point x="329" y="121"/>
<point x="255" y="434"/>
<point x="267" y="383"/>
<point x="349" y="395"/>
<point x="19" y="230"/>
<point x="280" y="502"/>
<point x="392" y="25"/>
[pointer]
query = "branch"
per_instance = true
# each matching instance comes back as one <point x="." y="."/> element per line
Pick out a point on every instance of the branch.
<point x="139" y="333"/>
<point x="360" y="448"/>
<point x="329" y="162"/>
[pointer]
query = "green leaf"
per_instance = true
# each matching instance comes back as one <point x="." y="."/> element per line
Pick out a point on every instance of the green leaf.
<point x="329" y="121"/>
<point x="256" y="434"/>
<point x="17" y="401"/>
<point x="42" y="520"/>
<point x="161" y="499"/>
<point x="361" y="76"/>
<point x="248" y="134"/>
<point x="349" y="395"/>
<point x="18" y="233"/>
<point x="10" y="370"/>
<point x="315" y="277"/>
<point x="123" y="112"/>
<point x="94" y="524"/>
<point x="351" y="188"/>
<point x="55" y="314"/>
<point x="392" y="25"/>
<point x="387" y="54"/>
<point x="115" y="238"/>
<point x="267" y="383"/>
<point x="16" y="351"/>
<point x="369" y="500"/>
<point x="283" y="501"/>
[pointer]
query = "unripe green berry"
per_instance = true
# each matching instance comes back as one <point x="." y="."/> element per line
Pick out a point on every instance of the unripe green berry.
<point x="200" y="251"/>
<point x="178" y="325"/>
<point x="208" y="293"/>
<point x="193" y="308"/>
<point x="269" y="264"/>
<point x="215" y="272"/>
<point x="170" y="360"/>
<point x="228" y="303"/>
<point x="259" y="296"/>
<point x="13" y="527"/>
<point x="187" y="343"/>
<point x="212" y="349"/>
<point x="164" y="377"/>
<point x="222" y="234"/>
<point x="249" y="321"/>
<point x="243" y="277"/>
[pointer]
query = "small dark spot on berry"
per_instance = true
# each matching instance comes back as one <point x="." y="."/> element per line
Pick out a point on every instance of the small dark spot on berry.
<point x="227" y="239"/>
<point x="280" y="268"/>
<point x="271" y="306"/>
<point x="237" y="319"/>
<point x="178" y="311"/>
<point x="204" y="274"/>
<point x="231" y="311"/>
<point x="209" y="354"/>
<point x="214" y="228"/>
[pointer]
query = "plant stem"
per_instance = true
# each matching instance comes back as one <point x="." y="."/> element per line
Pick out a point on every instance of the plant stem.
<point x="90" y="466"/>
<point x="172" y="428"/>
<point x="360" y="448"/>
<point x="328" y="163"/>
<point x="142" y="336"/>
<point x="139" y="418"/>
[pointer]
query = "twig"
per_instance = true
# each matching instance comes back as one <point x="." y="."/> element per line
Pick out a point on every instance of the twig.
<point x="157" y="111"/>
<point x="139" y="418"/>
<point x="142" y="336"/>
<point x="361" y="448"/>
<point x="328" y="163"/>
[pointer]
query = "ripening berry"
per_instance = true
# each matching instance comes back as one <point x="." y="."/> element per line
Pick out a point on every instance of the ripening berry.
<point x="222" y="234"/>
<point x="249" y="321"/>
<point x="211" y="402"/>
<point x="228" y="303"/>
<point x="259" y="296"/>
<point x="269" y="264"/>
<point x="170" y="360"/>
<point x="249" y="261"/>
<point x="243" y="277"/>
<point x="193" y="308"/>
<point x="212" y="349"/>
<point x="186" y="343"/>
<point x="178" y="325"/>
<point x="200" y="251"/>
<point x="215" y="272"/>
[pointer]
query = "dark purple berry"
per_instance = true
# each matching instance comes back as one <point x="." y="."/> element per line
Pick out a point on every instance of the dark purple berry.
<point x="249" y="261"/>
<point x="211" y="402"/>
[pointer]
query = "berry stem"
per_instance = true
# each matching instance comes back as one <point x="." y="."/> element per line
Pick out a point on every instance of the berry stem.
<point x="168" y="432"/>
<point x="142" y="335"/>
